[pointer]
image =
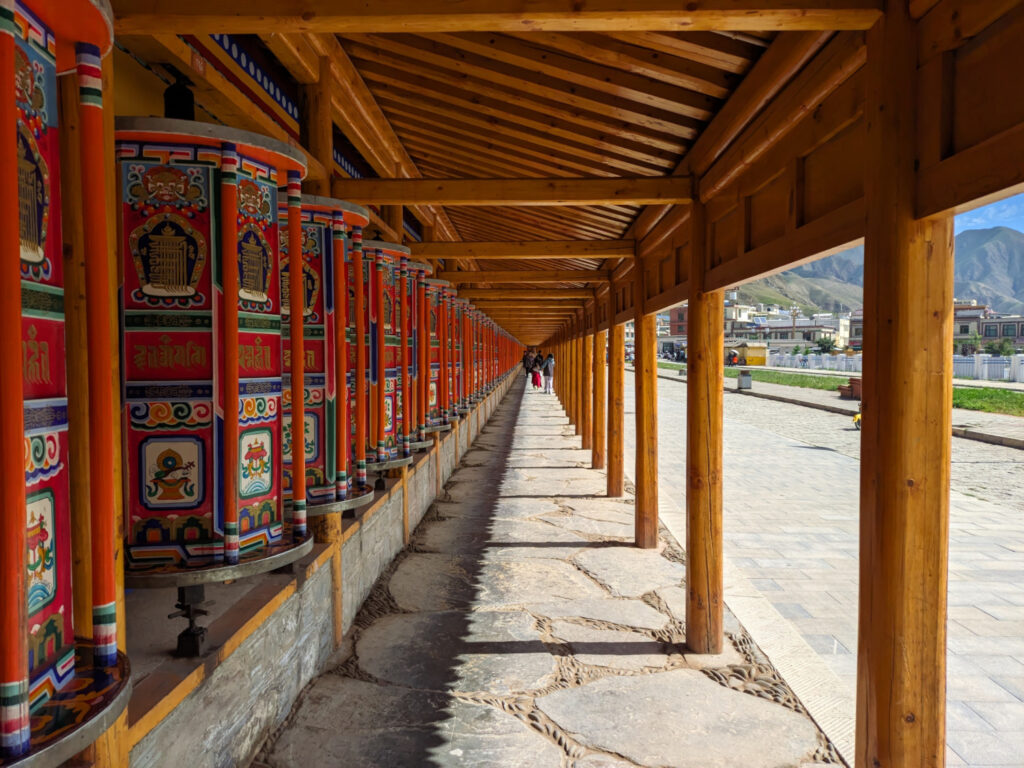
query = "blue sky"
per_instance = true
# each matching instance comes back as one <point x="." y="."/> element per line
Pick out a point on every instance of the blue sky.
<point x="1005" y="213"/>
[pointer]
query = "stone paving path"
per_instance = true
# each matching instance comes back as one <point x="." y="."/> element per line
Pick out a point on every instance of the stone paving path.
<point x="791" y="531"/>
<point x="521" y="628"/>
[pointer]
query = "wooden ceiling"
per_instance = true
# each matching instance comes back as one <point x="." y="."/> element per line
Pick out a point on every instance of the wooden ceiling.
<point x="550" y="104"/>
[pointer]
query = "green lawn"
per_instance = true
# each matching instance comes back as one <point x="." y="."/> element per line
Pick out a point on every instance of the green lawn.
<point x="989" y="400"/>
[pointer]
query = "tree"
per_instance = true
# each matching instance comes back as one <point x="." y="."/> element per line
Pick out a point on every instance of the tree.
<point x="1002" y="347"/>
<point x="826" y="345"/>
<point x="972" y="345"/>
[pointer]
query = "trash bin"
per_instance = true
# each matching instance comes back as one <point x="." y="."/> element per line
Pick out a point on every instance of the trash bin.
<point x="743" y="381"/>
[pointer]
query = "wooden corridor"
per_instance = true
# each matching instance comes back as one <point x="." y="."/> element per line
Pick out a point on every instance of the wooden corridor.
<point x="568" y="166"/>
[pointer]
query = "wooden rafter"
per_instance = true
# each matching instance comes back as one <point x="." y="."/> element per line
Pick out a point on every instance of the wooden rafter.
<point x="520" y="192"/>
<point x="527" y="276"/>
<point x="523" y="249"/>
<point x="425" y="16"/>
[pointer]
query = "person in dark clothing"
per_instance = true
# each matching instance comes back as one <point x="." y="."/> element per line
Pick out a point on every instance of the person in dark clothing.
<point x="527" y="363"/>
<point x="548" y="371"/>
<point x="539" y="359"/>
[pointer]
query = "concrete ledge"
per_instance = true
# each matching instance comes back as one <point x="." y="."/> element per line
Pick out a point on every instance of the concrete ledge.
<point x="272" y="640"/>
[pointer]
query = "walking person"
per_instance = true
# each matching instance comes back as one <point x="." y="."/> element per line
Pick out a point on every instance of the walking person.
<point x="548" y="370"/>
<point x="527" y="363"/>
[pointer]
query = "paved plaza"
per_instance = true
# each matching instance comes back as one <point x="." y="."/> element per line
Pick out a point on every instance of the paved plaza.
<point x="520" y="627"/>
<point x="791" y="525"/>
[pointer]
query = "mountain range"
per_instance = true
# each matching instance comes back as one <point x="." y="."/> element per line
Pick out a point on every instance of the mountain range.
<point x="989" y="268"/>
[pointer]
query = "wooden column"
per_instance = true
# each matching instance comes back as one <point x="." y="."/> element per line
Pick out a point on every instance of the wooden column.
<point x="905" y="443"/>
<point x="393" y="216"/>
<point x="597" y="445"/>
<point x="704" y="374"/>
<point x="616" y="407"/>
<point x="577" y="380"/>
<point x="646" y="384"/>
<point x="318" y="123"/>
<point x="587" y="391"/>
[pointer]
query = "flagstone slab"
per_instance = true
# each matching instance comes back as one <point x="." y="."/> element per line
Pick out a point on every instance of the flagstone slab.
<point x="429" y="581"/>
<point x="628" y="571"/>
<point x="498" y="652"/>
<point x="681" y="719"/>
<point x="605" y="528"/>
<point x="628" y="651"/>
<point x="620" y="611"/>
<point x="513" y="583"/>
<point x="390" y="726"/>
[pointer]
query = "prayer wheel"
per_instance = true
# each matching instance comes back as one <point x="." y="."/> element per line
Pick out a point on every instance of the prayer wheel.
<point x="436" y="323"/>
<point x="386" y="303"/>
<point x="326" y="224"/>
<point x="60" y="668"/>
<point x="413" y="288"/>
<point x="202" y="336"/>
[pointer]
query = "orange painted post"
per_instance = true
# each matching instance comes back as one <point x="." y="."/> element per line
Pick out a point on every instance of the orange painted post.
<point x="101" y="351"/>
<point x="342" y="419"/>
<point x="379" y="265"/>
<point x="646" y="383"/>
<point x="705" y="364"/>
<point x="298" y="369"/>
<point x="14" y="719"/>
<point x="229" y="335"/>
<point x="361" y="342"/>
<point x="442" y="335"/>
<point x="406" y="361"/>
<point x="616" y="409"/>
<point x="423" y="352"/>
<point x="597" y="449"/>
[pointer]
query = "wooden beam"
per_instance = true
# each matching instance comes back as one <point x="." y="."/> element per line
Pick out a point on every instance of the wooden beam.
<point x="704" y="382"/>
<point x="429" y="16"/>
<point x="906" y="428"/>
<point x="639" y="190"/>
<point x="527" y="276"/>
<point x="481" y="294"/>
<point x="826" y="72"/>
<point x="524" y="249"/>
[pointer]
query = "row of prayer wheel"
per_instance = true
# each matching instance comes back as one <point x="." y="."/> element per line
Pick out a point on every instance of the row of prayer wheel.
<point x="384" y="353"/>
<point x="246" y="309"/>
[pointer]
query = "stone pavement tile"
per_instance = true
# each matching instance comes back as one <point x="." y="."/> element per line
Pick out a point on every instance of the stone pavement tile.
<point x="792" y="610"/>
<point x="997" y="665"/>
<point x="976" y="688"/>
<point x="508" y="583"/>
<point x="675" y="601"/>
<point x="987" y="749"/>
<point x="429" y="581"/>
<point x="711" y="725"/>
<point x="601" y="761"/>
<point x="618" y="649"/>
<point x="619" y="611"/>
<point x="766" y="585"/>
<point x="628" y="572"/>
<point x="962" y="717"/>
<point x="826" y="645"/>
<point x="1003" y="716"/>
<point x="1012" y="683"/>
<point x="603" y="528"/>
<point x="498" y="652"/>
<point x="387" y="726"/>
